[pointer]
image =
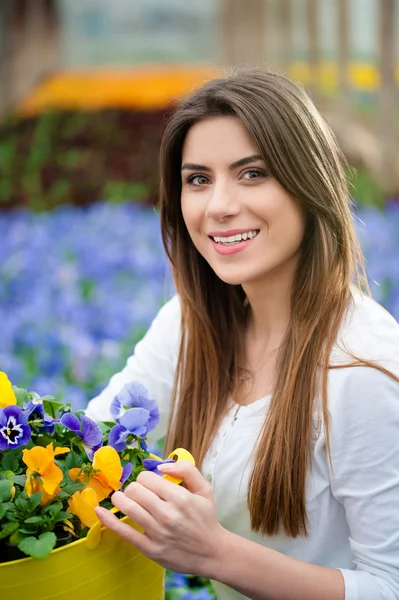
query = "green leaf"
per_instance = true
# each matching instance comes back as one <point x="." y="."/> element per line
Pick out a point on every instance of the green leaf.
<point x="21" y="504"/>
<point x="51" y="406"/>
<point x="19" y="479"/>
<point x="64" y="515"/>
<point x="34" y="500"/>
<point x="16" y="538"/>
<point x="21" y="395"/>
<point x="5" y="489"/>
<point x="69" y="490"/>
<point x="73" y="460"/>
<point x="8" y="529"/>
<point x="3" y="510"/>
<point x="55" y="508"/>
<point x="39" y="547"/>
<point x="10" y="462"/>
<point x="34" y="520"/>
<point x="105" y="426"/>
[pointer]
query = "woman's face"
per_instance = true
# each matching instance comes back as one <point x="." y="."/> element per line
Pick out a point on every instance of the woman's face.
<point x="245" y="225"/>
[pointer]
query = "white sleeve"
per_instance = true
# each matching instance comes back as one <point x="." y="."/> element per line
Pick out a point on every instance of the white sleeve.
<point x="153" y="364"/>
<point x="365" y="479"/>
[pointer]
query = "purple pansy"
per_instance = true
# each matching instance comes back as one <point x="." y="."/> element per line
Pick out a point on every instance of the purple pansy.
<point x="134" y="394"/>
<point x="134" y="422"/>
<point x="14" y="428"/>
<point x="152" y="464"/>
<point x="34" y="409"/>
<point x="88" y="431"/>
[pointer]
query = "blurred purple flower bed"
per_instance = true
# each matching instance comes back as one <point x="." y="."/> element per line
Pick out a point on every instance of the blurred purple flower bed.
<point x="80" y="286"/>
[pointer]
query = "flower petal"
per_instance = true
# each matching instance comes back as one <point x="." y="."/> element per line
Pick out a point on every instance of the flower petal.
<point x="117" y="437"/>
<point x="127" y="471"/>
<point x="116" y="408"/>
<point x="61" y="450"/>
<point x="17" y="413"/>
<point x="7" y="396"/>
<point x="91" y="432"/>
<point x="107" y="460"/>
<point x="152" y="464"/>
<point x="25" y="437"/>
<point x="135" y="420"/>
<point x="52" y="478"/>
<point x="90" y="450"/>
<point x="82" y="504"/>
<point x="37" y="459"/>
<point x="71" y="422"/>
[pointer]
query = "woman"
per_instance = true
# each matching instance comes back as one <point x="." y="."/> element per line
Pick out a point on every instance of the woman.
<point x="272" y="367"/>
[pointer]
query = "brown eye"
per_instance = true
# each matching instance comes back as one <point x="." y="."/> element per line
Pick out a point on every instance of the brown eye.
<point x="254" y="174"/>
<point x="197" y="180"/>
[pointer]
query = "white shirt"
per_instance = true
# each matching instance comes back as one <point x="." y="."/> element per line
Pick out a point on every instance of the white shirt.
<point x="353" y="511"/>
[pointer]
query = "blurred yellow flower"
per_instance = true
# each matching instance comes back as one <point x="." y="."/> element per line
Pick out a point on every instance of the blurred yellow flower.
<point x="107" y="463"/>
<point x="7" y="395"/>
<point x="82" y="504"/>
<point x="142" y="88"/>
<point x="42" y="474"/>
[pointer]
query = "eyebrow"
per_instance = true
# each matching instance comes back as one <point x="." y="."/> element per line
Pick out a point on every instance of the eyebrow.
<point x="239" y="163"/>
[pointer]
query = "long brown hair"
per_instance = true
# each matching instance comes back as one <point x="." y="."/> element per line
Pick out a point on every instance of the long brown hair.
<point x="303" y="157"/>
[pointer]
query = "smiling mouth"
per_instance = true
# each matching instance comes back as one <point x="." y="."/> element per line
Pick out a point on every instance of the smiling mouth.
<point x="235" y="239"/>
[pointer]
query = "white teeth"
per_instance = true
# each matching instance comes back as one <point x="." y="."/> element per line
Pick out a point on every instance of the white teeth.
<point x="239" y="237"/>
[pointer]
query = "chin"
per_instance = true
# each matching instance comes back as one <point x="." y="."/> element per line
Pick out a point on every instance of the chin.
<point x="233" y="278"/>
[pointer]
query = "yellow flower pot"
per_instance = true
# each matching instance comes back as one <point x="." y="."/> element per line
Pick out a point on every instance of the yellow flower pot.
<point x="101" y="566"/>
<point x="112" y="569"/>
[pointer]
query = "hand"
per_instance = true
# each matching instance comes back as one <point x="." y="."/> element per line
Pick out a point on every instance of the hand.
<point x="181" y="530"/>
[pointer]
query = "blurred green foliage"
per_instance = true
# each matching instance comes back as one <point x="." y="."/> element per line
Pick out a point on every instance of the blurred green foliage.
<point x="75" y="157"/>
<point x="79" y="157"/>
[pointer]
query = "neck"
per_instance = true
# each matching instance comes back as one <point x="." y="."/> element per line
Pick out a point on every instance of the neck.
<point x="270" y="304"/>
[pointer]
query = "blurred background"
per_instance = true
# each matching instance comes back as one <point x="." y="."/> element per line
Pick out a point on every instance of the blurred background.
<point x="85" y="88"/>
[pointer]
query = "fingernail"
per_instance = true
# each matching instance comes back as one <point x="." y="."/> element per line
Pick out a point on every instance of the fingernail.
<point x="165" y="467"/>
<point x="100" y="510"/>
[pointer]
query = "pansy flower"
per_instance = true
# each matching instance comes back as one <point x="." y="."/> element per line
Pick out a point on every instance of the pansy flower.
<point x="86" y="429"/>
<point x="107" y="472"/>
<point x="133" y="423"/>
<point x="42" y="474"/>
<point x="134" y="394"/>
<point x="14" y="428"/>
<point x="7" y="395"/>
<point x="34" y="409"/>
<point x="152" y="464"/>
<point x="82" y="504"/>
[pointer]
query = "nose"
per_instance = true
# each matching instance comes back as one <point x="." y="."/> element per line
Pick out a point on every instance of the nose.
<point x="222" y="203"/>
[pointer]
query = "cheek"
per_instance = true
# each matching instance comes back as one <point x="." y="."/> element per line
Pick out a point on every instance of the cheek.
<point x="287" y="222"/>
<point x="192" y="216"/>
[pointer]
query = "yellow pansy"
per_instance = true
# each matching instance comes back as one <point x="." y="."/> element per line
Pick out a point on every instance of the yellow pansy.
<point x="42" y="474"/>
<point x="107" y="463"/>
<point x="7" y="395"/>
<point x="82" y="504"/>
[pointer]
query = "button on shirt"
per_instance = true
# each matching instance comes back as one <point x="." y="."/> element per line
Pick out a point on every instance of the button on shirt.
<point x="353" y="510"/>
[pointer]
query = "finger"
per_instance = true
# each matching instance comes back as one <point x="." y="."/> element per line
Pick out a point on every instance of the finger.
<point x="146" y="498"/>
<point x="140" y="540"/>
<point x="193" y="479"/>
<point x="135" y="512"/>
<point x="161" y="487"/>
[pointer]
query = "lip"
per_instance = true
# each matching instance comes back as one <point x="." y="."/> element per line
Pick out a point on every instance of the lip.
<point x="233" y="248"/>
<point x="230" y="232"/>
